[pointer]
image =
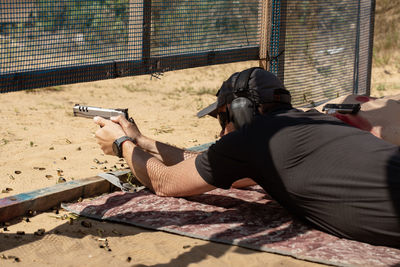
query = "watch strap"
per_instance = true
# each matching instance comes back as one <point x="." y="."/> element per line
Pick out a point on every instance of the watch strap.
<point x="117" y="145"/>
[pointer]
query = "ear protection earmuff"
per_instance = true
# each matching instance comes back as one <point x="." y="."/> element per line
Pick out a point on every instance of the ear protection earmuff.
<point x="244" y="105"/>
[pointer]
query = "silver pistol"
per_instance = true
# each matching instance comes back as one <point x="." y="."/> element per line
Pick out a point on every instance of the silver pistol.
<point x="107" y="113"/>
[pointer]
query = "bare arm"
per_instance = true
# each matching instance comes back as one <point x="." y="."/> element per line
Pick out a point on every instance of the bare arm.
<point x="180" y="179"/>
<point x="169" y="155"/>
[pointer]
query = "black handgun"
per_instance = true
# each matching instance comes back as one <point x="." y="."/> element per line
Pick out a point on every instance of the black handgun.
<point x="342" y="108"/>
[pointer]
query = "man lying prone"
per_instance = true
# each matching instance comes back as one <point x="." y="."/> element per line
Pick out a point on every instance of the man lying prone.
<point x="338" y="178"/>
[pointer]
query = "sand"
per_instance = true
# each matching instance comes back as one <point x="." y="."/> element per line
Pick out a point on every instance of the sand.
<point x="41" y="140"/>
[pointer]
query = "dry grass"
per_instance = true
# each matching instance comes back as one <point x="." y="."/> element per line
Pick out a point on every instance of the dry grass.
<point x="387" y="33"/>
<point x="386" y="55"/>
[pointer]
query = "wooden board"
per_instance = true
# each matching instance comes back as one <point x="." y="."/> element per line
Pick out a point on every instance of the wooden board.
<point x="49" y="197"/>
<point x="265" y="33"/>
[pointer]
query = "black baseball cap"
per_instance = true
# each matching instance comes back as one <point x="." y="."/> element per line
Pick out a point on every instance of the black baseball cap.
<point x="266" y="85"/>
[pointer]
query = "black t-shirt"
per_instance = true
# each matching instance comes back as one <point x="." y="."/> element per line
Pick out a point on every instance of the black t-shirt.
<point x="343" y="180"/>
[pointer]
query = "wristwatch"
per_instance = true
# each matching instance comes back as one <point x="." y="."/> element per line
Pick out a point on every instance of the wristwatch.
<point x="117" y="145"/>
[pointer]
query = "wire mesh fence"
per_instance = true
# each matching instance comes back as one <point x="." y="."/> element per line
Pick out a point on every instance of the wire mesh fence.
<point x="320" y="49"/>
<point x="327" y="48"/>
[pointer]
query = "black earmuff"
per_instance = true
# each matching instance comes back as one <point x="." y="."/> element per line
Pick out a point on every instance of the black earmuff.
<point x="244" y="105"/>
<point x="242" y="111"/>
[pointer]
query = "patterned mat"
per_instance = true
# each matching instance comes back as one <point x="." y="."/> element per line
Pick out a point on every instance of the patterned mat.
<point x="243" y="217"/>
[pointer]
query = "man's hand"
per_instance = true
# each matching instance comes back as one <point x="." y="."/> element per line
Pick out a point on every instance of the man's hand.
<point x="130" y="128"/>
<point x="107" y="134"/>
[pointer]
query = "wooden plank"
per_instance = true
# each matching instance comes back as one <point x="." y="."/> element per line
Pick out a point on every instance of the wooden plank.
<point x="265" y="19"/>
<point x="46" y="198"/>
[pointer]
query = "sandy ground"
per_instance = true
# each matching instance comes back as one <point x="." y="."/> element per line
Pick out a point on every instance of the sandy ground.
<point x="40" y="141"/>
